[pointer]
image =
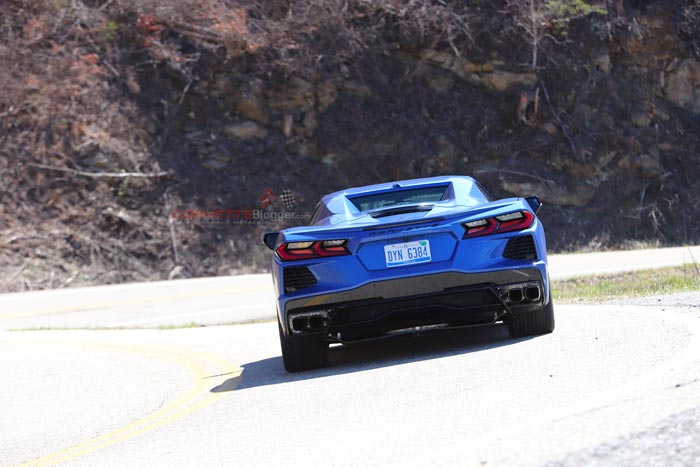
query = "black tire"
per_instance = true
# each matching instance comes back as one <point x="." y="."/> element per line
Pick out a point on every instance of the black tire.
<point x="301" y="353"/>
<point x="533" y="322"/>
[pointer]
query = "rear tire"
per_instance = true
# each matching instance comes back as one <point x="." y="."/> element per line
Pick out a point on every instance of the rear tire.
<point x="534" y="322"/>
<point x="305" y="352"/>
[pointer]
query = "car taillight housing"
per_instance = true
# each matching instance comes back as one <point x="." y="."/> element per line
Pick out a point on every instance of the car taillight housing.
<point x="511" y="222"/>
<point x="294" y="251"/>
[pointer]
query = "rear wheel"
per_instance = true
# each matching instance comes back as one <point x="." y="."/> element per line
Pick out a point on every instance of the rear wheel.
<point x="303" y="352"/>
<point x="533" y="322"/>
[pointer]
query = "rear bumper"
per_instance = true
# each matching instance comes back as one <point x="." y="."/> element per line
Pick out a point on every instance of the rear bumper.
<point x="448" y="299"/>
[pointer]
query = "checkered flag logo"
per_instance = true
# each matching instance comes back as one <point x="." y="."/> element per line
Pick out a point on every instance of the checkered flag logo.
<point x="287" y="198"/>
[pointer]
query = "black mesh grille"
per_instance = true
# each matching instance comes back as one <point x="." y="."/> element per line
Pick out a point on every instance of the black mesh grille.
<point x="520" y="248"/>
<point x="296" y="278"/>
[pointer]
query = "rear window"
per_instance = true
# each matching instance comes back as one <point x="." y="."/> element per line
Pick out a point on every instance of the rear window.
<point x="395" y="198"/>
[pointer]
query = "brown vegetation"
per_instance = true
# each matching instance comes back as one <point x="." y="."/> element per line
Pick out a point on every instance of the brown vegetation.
<point x="115" y="113"/>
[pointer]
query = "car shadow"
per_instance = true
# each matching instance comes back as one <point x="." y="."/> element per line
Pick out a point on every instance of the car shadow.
<point x="376" y="354"/>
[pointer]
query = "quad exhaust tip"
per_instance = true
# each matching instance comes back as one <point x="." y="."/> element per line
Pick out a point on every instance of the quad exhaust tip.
<point x="532" y="293"/>
<point x="313" y="321"/>
<point x="520" y="293"/>
<point x="515" y="295"/>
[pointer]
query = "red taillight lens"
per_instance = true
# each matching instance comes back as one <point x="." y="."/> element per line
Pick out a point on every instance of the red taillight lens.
<point x="293" y="251"/>
<point x="480" y="227"/>
<point x="331" y="248"/>
<point x="511" y="222"/>
<point x="515" y="221"/>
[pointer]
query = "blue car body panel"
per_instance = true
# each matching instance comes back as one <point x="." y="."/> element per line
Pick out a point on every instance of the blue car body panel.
<point x="363" y="273"/>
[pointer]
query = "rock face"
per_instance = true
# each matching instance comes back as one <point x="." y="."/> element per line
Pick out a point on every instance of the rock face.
<point x="326" y="94"/>
<point x="501" y="80"/>
<point x="610" y="142"/>
<point x="644" y="165"/>
<point x="603" y="63"/>
<point x="251" y="104"/>
<point x="252" y="107"/>
<point x="682" y="84"/>
<point x="217" y="161"/>
<point x="488" y="74"/>
<point x="247" y="130"/>
<point x="559" y="195"/>
<point x="434" y="57"/>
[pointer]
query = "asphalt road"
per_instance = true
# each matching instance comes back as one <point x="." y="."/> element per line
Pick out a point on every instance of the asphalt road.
<point x="615" y="384"/>
<point x="239" y="299"/>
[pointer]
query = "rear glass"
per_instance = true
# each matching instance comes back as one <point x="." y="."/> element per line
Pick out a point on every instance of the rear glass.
<point x="388" y="199"/>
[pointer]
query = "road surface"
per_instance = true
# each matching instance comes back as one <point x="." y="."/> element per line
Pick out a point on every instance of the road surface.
<point x="614" y="382"/>
<point x="240" y="299"/>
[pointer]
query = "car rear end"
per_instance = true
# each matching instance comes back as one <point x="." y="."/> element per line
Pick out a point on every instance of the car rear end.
<point x="430" y="266"/>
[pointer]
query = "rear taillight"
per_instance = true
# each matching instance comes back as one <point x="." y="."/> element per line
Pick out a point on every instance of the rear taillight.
<point x="330" y="248"/>
<point x="480" y="227"/>
<point x="293" y="251"/>
<point x="296" y="250"/>
<point x="510" y="222"/>
<point x="514" y="221"/>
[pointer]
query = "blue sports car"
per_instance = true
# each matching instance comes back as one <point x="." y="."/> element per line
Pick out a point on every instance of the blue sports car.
<point x="410" y="256"/>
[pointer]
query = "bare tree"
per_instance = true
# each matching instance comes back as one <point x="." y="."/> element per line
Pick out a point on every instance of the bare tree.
<point x="540" y="19"/>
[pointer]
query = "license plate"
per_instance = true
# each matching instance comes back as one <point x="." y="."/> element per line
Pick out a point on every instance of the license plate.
<point x="404" y="254"/>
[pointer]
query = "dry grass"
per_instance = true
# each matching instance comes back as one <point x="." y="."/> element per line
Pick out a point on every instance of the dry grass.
<point x="627" y="285"/>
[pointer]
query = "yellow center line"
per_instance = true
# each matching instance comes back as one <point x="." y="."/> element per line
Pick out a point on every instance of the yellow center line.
<point x="199" y="396"/>
<point x="129" y="302"/>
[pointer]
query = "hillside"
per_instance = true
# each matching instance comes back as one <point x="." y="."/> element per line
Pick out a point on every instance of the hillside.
<point x="122" y="121"/>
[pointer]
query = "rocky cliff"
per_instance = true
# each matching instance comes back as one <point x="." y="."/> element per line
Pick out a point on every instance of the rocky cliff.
<point x="136" y="140"/>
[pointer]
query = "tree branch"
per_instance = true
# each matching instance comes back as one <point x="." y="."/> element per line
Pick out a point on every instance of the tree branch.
<point x="556" y="116"/>
<point x="163" y="173"/>
<point x="526" y="175"/>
